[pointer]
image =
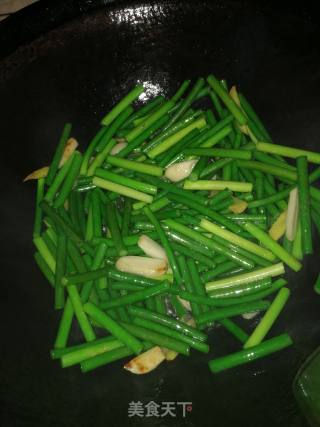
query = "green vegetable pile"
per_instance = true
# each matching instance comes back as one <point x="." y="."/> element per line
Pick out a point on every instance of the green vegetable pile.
<point x="173" y="218"/>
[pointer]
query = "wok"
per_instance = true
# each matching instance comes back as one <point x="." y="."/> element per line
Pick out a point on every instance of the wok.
<point x="70" y="61"/>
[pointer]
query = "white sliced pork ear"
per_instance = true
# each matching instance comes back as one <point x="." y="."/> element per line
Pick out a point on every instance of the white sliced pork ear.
<point x="151" y="248"/>
<point x="146" y="361"/>
<point x="118" y="147"/>
<point x="179" y="171"/>
<point x="142" y="266"/>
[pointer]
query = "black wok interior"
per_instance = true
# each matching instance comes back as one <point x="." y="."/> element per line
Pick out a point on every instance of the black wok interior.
<point x="71" y="62"/>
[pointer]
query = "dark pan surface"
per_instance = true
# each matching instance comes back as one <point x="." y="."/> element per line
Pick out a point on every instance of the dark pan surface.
<point x="88" y="60"/>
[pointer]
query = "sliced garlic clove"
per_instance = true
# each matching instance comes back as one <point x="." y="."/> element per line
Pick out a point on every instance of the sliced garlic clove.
<point x="234" y="95"/>
<point x="292" y="215"/>
<point x="186" y="304"/>
<point x="120" y="139"/>
<point x="118" y="147"/>
<point x="142" y="266"/>
<point x="146" y="361"/>
<point x="152" y="248"/>
<point x="37" y="174"/>
<point x="69" y="149"/>
<point x="169" y="354"/>
<point x="250" y="315"/>
<point x="179" y="171"/>
<point x="278" y="228"/>
<point x="189" y="321"/>
<point x="238" y="206"/>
